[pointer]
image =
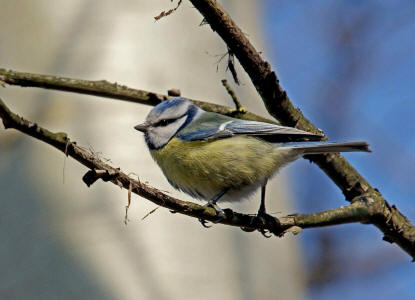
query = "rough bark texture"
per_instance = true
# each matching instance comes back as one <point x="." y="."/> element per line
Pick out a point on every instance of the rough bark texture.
<point x="387" y="218"/>
<point x="358" y="211"/>
<point x="367" y="204"/>
<point x="103" y="88"/>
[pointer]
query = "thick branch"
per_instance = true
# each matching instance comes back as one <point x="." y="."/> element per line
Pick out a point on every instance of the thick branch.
<point x="103" y="88"/>
<point x="358" y="211"/>
<point x="370" y="207"/>
<point x="392" y="223"/>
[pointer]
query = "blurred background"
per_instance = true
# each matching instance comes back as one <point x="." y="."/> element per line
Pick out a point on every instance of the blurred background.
<point x="348" y="65"/>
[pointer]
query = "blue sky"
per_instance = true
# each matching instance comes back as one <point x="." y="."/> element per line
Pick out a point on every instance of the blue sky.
<point x="350" y="67"/>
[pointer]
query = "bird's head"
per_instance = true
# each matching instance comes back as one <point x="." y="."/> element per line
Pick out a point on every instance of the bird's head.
<point x="166" y="119"/>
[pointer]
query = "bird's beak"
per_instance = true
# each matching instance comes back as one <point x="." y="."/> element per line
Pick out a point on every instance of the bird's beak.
<point x="142" y="127"/>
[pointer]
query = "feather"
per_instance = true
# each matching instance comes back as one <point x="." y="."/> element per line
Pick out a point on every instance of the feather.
<point x="215" y="126"/>
<point x="320" y="148"/>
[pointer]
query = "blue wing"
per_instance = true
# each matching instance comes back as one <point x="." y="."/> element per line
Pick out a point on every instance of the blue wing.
<point x="215" y="126"/>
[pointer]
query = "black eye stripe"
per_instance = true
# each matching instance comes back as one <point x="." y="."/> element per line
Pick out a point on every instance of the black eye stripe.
<point x="164" y="122"/>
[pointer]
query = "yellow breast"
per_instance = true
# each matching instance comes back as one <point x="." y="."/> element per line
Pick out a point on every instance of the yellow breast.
<point x="204" y="168"/>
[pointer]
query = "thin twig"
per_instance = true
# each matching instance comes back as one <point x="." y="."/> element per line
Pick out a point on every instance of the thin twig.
<point x="235" y="99"/>
<point x="352" y="184"/>
<point x="130" y="188"/>
<point x="359" y="211"/>
<point x="103" y="88"/>
<point x="149" y="213"/>
<point x="168" y="12"/>
<point x="231" y="66"/>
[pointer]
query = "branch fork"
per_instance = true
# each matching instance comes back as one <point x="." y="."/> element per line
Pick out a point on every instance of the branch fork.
<point x="366" y="206"/>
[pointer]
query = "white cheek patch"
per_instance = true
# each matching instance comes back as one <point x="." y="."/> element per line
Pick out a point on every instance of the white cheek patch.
<point x="161" y="135"/>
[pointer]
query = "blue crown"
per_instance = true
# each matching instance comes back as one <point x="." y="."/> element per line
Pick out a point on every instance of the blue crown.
<point x="169" y="104"/>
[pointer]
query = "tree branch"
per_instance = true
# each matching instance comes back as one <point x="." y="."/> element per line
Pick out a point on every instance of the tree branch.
<point x="388" y="219"/>
<point x="103" y="88"/>
<point x="358" y="211"/>
<point x="367" y="204"/>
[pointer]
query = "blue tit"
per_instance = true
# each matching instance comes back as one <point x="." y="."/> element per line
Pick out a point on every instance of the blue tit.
<point x="215" y="157"/>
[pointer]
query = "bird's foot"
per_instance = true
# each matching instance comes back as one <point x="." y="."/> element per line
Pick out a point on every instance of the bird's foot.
<point x="204" y="223"/>
<point x="267" y="219"/>
<point x="219" y="213"/>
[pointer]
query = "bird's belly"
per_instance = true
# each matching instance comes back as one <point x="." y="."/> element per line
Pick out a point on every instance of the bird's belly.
<point x="205" y="168"/>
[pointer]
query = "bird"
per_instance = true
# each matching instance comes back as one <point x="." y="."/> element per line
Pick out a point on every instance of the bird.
<point x="218" y="158"/>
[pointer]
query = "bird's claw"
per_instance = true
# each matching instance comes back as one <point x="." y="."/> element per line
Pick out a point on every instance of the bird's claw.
<point x="204" y="222"/>
<point x="265" y="233"/>
<point x="266" y="218"/>
<point x="219" y="213"/>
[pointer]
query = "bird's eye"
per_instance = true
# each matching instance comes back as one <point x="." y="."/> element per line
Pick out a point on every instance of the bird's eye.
<point x="164" y="122"/>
